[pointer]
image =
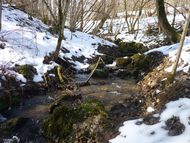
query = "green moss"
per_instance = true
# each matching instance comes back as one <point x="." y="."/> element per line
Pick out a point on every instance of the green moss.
<point x="59" y="69"/>
<point x="122" y="62"/>
<point x="28" y="71"/>
<point x="58" y="101"/>
<point x="11" y="125"/>
<point x="92" y="107"/>
<point x="170" y="79"/>
<point x="141" y="62"/>
<point x="60" y="123"/>
<point x="101" y="73"/>
<point x="131" y="48"/>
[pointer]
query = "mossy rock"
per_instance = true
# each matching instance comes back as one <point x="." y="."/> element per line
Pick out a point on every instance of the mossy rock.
<point x="11" y="125"/>
<point x="101" y="73"/>
<point x="66" y="97"/>
<point x="123" y="62"/>
<point x="60" y="124"/>
<point x="131" y="48"/>
<point x="28" y="71"/>
<point x="7" y="101"/>
<point x="141" y="62"/>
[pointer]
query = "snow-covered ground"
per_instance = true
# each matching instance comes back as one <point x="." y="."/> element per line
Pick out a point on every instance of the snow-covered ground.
<point x="130" y="132"/>
<point x="26" y="40"/>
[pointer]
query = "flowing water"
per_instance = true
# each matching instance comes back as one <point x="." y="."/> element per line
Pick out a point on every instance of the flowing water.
<point x="110" y="91"/>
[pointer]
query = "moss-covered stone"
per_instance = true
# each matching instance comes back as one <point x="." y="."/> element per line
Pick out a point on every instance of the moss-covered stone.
<point x="11" y="125"/>
<point x="28" y="71"/>
<point x="65" y="97"/>
<point x="131" y="48"/>
<point x="141" y="62"/>
<point x="61" y="123"/>
<point x="101" y="73"/>
<point x="123" y="62"/>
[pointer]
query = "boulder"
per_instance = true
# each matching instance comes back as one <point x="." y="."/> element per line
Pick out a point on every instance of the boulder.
<point x="123" y="62"/>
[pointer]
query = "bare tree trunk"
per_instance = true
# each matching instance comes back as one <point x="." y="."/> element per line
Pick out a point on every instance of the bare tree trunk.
<point x="106" y="14"/>
<point x="82" y="16"/>
<point x="62" y="19"/>
<point x="1" y="14"/>
<point x="180" y="48"/>
<point x="164" y="24"/>
<point x="50" y="11"/>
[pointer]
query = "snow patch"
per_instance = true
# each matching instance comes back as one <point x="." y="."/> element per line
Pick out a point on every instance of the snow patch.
<point x="156" y="133"/>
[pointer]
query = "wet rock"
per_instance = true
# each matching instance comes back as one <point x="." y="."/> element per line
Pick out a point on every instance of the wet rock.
<point x="79" y="59"/>
<point x="156" y="58"/>
<point x="151" y="120"/>
<point x="2" y="46"/>
<point x="117" y="109"/>
<point x="174" y="126"/>
<point x="101" y="73"/>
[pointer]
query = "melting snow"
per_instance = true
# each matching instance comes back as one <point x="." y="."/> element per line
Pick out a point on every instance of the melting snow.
<point x="130" y="132"/>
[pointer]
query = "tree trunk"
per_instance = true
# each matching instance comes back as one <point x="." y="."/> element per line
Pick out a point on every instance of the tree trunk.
<point x="180" y="48"/>
<point x="62" y="19"/>
<point x="0" y="15"/>
<point x="164" y="24"/>
<point x="50" y="10"/>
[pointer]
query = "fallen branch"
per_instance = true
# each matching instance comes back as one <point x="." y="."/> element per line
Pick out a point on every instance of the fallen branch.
<point x="84" y="83"/>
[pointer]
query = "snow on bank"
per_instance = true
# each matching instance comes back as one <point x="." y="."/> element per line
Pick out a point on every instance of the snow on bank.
<point x="2" y="119"/>
<point x="26" y="40"/>
<point x="171" y="50"/>
<point x="130" y="132"/>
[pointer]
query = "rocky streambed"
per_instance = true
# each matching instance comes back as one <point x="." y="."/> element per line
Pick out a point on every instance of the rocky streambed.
<point x="91" y="113"/>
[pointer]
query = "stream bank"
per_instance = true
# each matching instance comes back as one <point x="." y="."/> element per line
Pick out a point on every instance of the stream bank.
<point x="117" y="94"/>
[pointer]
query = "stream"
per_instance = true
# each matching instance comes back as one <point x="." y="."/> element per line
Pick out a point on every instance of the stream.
<point x="110" y="92"/>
